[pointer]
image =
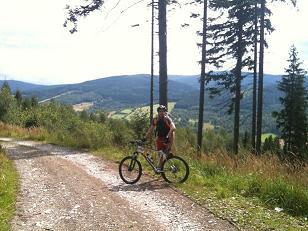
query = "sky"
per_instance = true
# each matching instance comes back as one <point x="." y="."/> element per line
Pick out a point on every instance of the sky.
<point x="36" y="48"/>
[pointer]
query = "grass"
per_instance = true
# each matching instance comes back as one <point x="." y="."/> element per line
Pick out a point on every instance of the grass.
<point x="245" y="190"/>
<point x="7" y="130"/>
<point x="8" y="190"/>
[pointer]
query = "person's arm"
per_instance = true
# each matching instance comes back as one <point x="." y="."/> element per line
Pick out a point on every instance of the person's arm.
<point x="149" y="132"/>
<point x="171" y="130"/>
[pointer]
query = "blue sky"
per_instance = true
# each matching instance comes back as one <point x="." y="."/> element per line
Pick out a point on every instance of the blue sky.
<point x="35" y="47"/>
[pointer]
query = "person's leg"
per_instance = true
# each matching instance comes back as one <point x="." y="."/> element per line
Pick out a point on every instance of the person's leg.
<point x="161" y="146"/>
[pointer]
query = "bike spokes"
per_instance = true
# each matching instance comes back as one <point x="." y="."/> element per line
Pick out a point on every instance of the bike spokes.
<point x="175" y="170"/>
<point x="130" y="170"/>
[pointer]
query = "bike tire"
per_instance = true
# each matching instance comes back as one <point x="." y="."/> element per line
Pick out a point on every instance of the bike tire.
<point x="128" y="171"/>
<point x="175" y="170"/>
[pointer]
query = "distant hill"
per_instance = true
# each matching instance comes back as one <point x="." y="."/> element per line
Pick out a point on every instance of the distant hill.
<point x="119" y="92"/>
<point x="111" y="92"/>
<point x="22" y="86"/>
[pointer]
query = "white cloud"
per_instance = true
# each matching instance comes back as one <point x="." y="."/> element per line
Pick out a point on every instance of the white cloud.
<point x="35" y="47"/>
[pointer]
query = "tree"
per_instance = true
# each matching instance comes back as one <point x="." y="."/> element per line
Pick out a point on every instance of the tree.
<point x="260" y="80"/>
<point x="34" y="101"/>
<point x="231" y="38"/>
<point x="152" y="63"/>
<point x="163" y="76"/>
<point x="6" y="87"/>
<point x="18" y="97"/>
<point x="26" y="103"/>
<point x="6" y="100"/>
<point x="261" y="73"/>
<point x="202" y="79"/>
<point x="84" y="10"/>
<point x="254" y="91"/>
<point x="292" y="119"/>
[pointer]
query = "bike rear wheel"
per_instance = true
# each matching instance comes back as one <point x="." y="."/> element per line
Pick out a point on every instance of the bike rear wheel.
<point x="130" y="170"/>
<point x="175" y="170"/>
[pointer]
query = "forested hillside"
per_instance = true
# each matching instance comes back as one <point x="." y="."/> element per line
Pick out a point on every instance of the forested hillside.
<point x="131" y="91"/>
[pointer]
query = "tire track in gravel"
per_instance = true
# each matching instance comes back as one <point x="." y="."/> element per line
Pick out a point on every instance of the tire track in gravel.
<point x="62" y="189"/>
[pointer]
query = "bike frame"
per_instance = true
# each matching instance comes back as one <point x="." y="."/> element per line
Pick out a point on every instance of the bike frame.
<point x="144" y="151"/>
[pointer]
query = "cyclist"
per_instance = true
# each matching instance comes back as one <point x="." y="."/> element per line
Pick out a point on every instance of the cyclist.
<point x="164" y="131"/>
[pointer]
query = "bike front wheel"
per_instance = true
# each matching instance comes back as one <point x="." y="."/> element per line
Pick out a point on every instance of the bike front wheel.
<point x="175" y="170"/>
<point x="130" y="170"/>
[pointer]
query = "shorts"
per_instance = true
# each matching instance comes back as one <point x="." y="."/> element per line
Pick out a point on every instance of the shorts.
<point x="161" y="143"/>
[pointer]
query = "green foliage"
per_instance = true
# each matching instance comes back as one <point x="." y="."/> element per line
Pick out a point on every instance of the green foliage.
<point x="8" y="191"/>
<point x="271" y="145"/>
<point x="18" y="97"/>
<point x="6" y="101"/>
<point x="271" y="192"/>
<point x="139" y="122"/>
<point x="292" y="119"/>
<point x="216" y="141"/>
<point x="292" y="199"/>
<point x="121" y="132"/>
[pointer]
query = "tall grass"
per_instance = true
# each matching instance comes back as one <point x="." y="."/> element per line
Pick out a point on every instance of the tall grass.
<point x="273" y="182"/>
<point x="10" y="130"/>
<point x="8" y="189"/>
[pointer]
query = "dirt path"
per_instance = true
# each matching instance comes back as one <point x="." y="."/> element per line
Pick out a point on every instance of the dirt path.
<point x="61" y="189"/>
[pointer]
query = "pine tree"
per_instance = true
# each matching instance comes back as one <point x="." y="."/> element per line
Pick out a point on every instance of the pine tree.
<point x="254" y="91"/>
<point x="292" y="119"/>
<point x="263" y="24"/>
<point x="202" y="78"/>
<point x="6" y="87"/>
<point x="18" y="97"/>
<point x="232" y="38"/>
<point x="6" y="100"/>
<point x="34" y="101"/>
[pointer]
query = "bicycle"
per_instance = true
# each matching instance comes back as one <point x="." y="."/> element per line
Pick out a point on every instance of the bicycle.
<point x="174" y="168"/>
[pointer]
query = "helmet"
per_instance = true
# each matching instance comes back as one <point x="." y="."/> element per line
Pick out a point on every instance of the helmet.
<point x="161" y="107"/>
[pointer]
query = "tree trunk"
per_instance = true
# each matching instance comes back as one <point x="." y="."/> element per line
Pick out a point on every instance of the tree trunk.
<point x="163" y="77"/>
<point x="260" y="83"/>
<point x="238" y="74"/>
<point x="202" y="80"/>
<point x="152" y="65"/>
<point x="254" y="92"/>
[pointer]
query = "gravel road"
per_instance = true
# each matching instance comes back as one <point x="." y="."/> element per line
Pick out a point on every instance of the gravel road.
<point x="62" y="189"/>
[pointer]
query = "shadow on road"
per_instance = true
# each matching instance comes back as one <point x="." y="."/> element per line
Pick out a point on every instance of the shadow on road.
<point x="151" y="185"/>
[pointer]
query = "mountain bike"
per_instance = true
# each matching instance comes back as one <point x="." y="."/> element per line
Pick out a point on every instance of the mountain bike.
<point x="173" y="169"/>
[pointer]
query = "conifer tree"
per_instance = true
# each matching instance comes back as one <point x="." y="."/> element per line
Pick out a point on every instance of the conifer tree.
<point x="202" y="78"/>
<point x="263" y="44"/>
<point x="6" y="100"/>
<point x="232" y="38"/>
<point x="18" y="97"/>
<point x="292" y="119"/>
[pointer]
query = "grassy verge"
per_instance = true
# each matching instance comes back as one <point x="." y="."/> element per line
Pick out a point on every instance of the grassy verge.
<point x="7" y="130"/>
<point x="8" y="190"/>
<point x="249" y="191"/>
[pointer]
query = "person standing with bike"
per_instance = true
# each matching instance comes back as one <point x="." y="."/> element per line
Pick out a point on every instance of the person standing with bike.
<point x="172" y="168"/>
<point x="165" y="132"/>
